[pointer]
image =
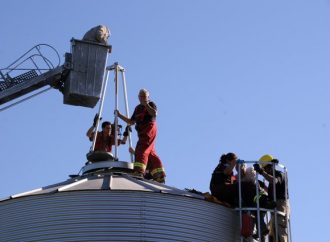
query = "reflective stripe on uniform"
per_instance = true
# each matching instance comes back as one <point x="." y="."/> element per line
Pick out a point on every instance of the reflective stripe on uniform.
<point x="256" y="197"/>
<point x="157" y="170"/>
<point x="139" y="164"/>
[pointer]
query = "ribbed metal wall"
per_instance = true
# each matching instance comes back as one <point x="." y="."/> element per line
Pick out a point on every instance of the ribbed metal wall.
<point x="115" y="216"/>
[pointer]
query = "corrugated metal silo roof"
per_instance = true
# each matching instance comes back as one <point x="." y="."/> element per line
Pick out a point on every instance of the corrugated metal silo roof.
<point x="108" y="181"/>
<point x="114" y="206"/>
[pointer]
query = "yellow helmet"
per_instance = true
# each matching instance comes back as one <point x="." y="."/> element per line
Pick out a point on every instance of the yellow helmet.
<point x="265" y="158"/>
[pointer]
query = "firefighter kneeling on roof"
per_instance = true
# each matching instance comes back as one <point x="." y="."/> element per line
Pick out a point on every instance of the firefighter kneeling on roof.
<point x="144" y="117"/>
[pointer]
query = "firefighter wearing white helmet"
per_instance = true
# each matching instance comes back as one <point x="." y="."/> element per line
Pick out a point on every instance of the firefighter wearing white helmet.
<point x="282" y="204"/>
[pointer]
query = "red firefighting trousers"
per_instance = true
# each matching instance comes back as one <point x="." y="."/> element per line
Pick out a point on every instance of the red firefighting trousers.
<point x="145" y="154"/>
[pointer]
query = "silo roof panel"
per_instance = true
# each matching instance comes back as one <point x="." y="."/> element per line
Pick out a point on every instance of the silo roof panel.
<point x="107" y="181"/>
<point x="128" y="183"/>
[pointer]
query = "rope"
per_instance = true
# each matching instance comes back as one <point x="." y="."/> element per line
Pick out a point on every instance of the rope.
<point x="25" y="99"/>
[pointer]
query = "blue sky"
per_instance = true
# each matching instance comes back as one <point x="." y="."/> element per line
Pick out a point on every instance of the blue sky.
<point x="250" y="77"/>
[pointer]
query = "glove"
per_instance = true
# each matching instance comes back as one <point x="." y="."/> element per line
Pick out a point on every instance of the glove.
<point x="258" y="168"/>
<point x="116" y="112"/>
<point x="275" y="161"/>
<point x="95" y="119"/>
<point x="127" y="129"/>
<point x="131" y="150"/>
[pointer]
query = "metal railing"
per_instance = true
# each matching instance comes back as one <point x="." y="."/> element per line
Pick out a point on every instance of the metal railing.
<point x="271" y="213"/>
<point x="34" y="62"/>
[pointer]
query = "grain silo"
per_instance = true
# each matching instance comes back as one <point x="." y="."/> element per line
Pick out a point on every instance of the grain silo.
<point x="113" y="205"/>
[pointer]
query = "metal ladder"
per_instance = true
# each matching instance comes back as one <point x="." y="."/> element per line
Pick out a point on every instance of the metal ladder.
<point x="117" y="69"/>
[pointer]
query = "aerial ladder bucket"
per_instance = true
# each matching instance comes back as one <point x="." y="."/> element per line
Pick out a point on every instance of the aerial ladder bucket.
<point x="80" y="78"/>
<point x="87" y="65"/>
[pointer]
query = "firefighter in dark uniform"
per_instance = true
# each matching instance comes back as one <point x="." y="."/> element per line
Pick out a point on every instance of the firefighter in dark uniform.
<point x="144" y="118"/>
<point x="281" y="193"/>
<point x="222" y="184"/>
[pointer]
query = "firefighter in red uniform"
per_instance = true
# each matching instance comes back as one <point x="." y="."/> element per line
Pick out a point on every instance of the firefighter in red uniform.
<point x="105" y="139"/>
<point x="144" y="117"/>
